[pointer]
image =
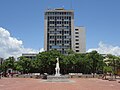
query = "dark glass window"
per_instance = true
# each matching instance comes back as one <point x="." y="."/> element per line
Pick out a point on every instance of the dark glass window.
<point x="77" y="43"/>
<point x="76" y="32"/>
<point x="76" y="29"/>
<point x="76" y="39"/>
<point x="77" y="46"/>
<point x="77" y="36"/>
<point x="77" y="50"/>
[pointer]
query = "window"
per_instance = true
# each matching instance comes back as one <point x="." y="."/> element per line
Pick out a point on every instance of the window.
<point x="65" y="42"/>
<point x="60" y="32"/>
<point x="77" y="36"/>
<point x="64" y="36"/>
<point x="76" y="39"/>
<point x="77" y="50"/>
<point x="76" y="29"/>
<point x="69" y="18"/>
<point x="55" y="47"/>
<point x="50" y="47"/>
<point x="76" y="32"/>
<point x="77" y="43"/>
<point x="77" y="46"/>
<point x="68" y="37"/>
<point x="57" y="42"/>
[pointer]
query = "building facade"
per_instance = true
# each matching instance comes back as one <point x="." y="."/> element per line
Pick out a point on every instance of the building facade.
<point x="58" y="30"/>
<point x="79" y="40"/>
<point x="31" y="56"/>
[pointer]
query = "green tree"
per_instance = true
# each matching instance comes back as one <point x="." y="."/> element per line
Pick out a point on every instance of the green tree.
<point x="70" y="51"/>
<point x="8" y="63"/>
<point x="95" y="61"/>
<point x="107" y="69"/>
<point x="24" y="64"/>
<point x="48" y="61"/>
<point x="118" y="65"/>
<point x="113" y="61"/>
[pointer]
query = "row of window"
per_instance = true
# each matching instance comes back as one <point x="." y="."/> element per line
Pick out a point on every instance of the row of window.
<point x="58" y="13"/>
<point x="59" y="47"/>
<point x="60" y="17"/>
<point x="59" y="32"/>
<point x="63" y="51"/>
<point x="59" y="27"/>
<point x="60" y="37"/>
<point x="59" y="22"/>
<point x="59" y="42"/>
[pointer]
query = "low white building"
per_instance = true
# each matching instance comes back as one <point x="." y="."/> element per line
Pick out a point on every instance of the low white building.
<point x="31" y="56"/>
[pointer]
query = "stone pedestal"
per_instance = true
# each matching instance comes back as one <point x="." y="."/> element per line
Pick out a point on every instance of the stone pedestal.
<point x="63" y="78"/>
<point x="57" y="77"/>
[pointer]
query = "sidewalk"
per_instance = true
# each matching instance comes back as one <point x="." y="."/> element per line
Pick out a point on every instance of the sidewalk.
<point x="38" y="84"/>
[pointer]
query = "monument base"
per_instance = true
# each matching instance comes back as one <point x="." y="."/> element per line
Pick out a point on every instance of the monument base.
<point x="63" y="78"/>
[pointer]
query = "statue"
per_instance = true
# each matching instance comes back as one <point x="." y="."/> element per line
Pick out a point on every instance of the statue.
<point x="57" y="69"/>
<point x="57" y="77"/>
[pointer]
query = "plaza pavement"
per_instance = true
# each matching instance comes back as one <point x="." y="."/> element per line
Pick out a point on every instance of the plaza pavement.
<point x="38" y="84"/>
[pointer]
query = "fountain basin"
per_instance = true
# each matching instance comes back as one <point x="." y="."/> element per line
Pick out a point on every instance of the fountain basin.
<point x="62" y="78"/>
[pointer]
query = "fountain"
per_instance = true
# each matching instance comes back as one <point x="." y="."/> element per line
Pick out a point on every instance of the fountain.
<point x="57" y="77"/>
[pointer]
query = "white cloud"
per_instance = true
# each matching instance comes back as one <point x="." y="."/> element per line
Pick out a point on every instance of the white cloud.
<point x="42" y="49"/>
<point x="10" y="46"/>
<point x="106" y="49"/>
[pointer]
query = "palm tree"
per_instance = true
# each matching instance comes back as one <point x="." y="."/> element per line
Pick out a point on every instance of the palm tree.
<point x="95" y="59"/>
<point x="112" y="61"/>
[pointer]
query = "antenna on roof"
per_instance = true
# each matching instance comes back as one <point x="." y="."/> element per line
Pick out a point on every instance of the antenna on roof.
<point x="48" y="8"/>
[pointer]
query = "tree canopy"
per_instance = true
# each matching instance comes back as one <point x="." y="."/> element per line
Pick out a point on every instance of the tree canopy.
<point x="45" y="62"/>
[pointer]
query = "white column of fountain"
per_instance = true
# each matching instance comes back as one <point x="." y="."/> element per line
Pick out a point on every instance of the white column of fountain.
<point x="57" y="69"/>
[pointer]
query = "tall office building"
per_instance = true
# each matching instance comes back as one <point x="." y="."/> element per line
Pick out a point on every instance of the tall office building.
<point x="58" y="30"/>
<point x="79" y="40"/>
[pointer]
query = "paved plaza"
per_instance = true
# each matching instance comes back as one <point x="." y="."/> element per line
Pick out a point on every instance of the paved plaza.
<point x="39" y="84"/>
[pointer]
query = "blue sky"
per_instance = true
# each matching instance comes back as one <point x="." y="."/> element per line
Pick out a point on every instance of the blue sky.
<point x="24" y="19"/>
